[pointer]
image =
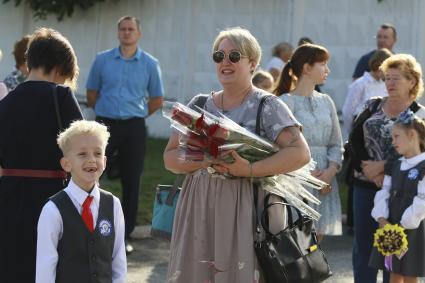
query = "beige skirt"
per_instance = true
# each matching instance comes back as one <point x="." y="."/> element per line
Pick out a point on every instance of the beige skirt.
<point x="213" y="232"/>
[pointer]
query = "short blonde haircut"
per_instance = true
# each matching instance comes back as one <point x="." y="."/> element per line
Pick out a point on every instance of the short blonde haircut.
<point x="81" y="127"/>
<point x="244" y="41"/>
<point x="409" y="68"/>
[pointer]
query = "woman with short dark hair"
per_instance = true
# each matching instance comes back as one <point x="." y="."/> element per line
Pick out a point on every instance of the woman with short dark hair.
<point x="29" y="155"/>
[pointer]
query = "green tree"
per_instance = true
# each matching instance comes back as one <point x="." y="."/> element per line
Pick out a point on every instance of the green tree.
<point x="60" y="8"/>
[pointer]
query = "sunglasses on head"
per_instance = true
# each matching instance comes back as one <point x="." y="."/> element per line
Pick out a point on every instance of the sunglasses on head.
<point x="234" y="56"/>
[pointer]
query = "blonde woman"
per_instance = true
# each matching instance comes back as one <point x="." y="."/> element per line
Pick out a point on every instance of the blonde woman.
<point x="213" y="232"/>
<point x="373" y="151"/>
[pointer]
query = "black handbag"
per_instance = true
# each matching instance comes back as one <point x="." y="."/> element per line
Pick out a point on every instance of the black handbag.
<point x="293" y="255"/>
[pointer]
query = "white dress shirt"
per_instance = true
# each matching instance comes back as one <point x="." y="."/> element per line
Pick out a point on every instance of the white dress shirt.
<point x="415" y="213"/>
<point x="275" y="63"/>
<point x="360" y="91"/>
<point x="50" y="229"/>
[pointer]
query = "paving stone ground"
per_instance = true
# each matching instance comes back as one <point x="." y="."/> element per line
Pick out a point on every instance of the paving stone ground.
<point x="148" y="264"/>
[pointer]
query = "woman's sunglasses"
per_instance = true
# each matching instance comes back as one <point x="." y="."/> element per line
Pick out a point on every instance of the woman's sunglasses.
<point x="234" y="56"/>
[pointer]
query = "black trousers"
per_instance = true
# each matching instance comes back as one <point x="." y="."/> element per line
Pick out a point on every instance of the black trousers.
<point x="128" y="140"/>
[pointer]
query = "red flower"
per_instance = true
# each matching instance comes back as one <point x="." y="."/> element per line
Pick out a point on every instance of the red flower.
<point x="181" y="117"/>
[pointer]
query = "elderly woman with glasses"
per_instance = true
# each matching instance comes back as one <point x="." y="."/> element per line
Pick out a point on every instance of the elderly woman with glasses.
<point x="213" y="232"/>
<point x="372" y="148"/>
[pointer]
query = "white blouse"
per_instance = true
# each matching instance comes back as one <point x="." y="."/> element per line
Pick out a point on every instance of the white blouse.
<point x="415" y="213"/>
<point x="360" y="91"/>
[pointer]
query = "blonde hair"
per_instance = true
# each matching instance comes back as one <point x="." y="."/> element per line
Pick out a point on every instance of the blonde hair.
<point x="81" y="127"/>
<point x="261" y="75"/>
<point x="417" y="125"/>
<point x="409" y="68"/>
<point x="244" y="41"/>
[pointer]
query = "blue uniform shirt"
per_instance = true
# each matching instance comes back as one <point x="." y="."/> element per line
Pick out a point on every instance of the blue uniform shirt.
<point x="124" y="84"/>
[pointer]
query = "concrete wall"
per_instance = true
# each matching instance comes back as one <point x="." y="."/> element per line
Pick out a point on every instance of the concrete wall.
<point x="180" y="34"/>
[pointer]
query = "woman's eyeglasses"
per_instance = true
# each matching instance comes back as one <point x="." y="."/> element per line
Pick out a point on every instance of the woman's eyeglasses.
<point x="234" y="56"/>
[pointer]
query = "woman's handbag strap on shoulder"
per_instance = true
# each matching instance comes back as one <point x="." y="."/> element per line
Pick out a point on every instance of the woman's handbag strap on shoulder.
<point x="357" y="149"/>
<point x="56" y="103"/>
<point x="257" y="132"/>
<point x="259" y="110"/>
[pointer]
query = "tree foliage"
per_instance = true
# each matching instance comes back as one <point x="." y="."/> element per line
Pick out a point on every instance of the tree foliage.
<point x="60" y="8"/>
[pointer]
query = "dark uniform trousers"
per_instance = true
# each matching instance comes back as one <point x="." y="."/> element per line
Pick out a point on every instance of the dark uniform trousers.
<point x="128" y="139"/>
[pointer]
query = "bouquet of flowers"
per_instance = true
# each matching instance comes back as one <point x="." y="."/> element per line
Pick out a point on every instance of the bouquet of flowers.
<point x="204" y="136"/>
<point x="391" y="240"/>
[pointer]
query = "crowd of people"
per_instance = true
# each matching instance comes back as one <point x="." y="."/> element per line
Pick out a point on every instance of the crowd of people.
<point x="71" y="230"/>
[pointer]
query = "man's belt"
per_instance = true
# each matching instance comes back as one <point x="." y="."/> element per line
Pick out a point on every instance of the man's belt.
<point x="53" y="174"/>
<point x="117" y="121"/>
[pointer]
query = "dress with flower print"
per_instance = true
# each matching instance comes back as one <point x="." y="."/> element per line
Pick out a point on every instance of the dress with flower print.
<point x="321" y="129"/>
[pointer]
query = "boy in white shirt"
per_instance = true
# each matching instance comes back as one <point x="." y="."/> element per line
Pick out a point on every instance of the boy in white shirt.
<point x="80" y="234"/>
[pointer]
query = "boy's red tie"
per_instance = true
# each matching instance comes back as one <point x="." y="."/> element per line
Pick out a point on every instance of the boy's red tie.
<point x="87" y="215"/>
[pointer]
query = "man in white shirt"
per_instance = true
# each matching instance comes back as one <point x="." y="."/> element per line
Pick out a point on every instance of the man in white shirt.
<point x="367" y="86"/>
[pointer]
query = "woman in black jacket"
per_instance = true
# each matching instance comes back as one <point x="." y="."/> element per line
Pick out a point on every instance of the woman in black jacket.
<point x="372" y="149"/>
<point x="31" y="116"/>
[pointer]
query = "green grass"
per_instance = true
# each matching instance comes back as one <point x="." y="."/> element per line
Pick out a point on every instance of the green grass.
<point x="155" y="173"/>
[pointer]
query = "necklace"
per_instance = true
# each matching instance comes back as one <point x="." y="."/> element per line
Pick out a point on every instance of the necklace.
<point x="243" y="99"/>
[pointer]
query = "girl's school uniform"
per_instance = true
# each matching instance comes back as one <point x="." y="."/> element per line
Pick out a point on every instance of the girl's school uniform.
<point x="402" y="201"/>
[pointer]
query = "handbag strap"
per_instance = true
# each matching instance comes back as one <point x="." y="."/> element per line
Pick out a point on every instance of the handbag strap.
<point x="55" y="101"/>
<point x="291" y="224"/>
<point x="174" y="189"/>
<point x="255" y="185"/>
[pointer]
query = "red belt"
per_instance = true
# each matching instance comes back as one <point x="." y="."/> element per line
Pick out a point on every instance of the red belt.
<point x="59" y="174"/>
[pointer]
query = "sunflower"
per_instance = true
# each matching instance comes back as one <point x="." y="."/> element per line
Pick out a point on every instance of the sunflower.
<point x="391" y="240"/>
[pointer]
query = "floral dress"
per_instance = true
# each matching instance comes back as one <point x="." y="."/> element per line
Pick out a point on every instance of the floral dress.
<point x="317" y="114"/>
<point x="213" y="232"/>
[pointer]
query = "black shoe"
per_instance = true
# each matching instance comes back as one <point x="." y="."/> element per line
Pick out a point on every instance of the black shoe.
<point x="128" y="247"/>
